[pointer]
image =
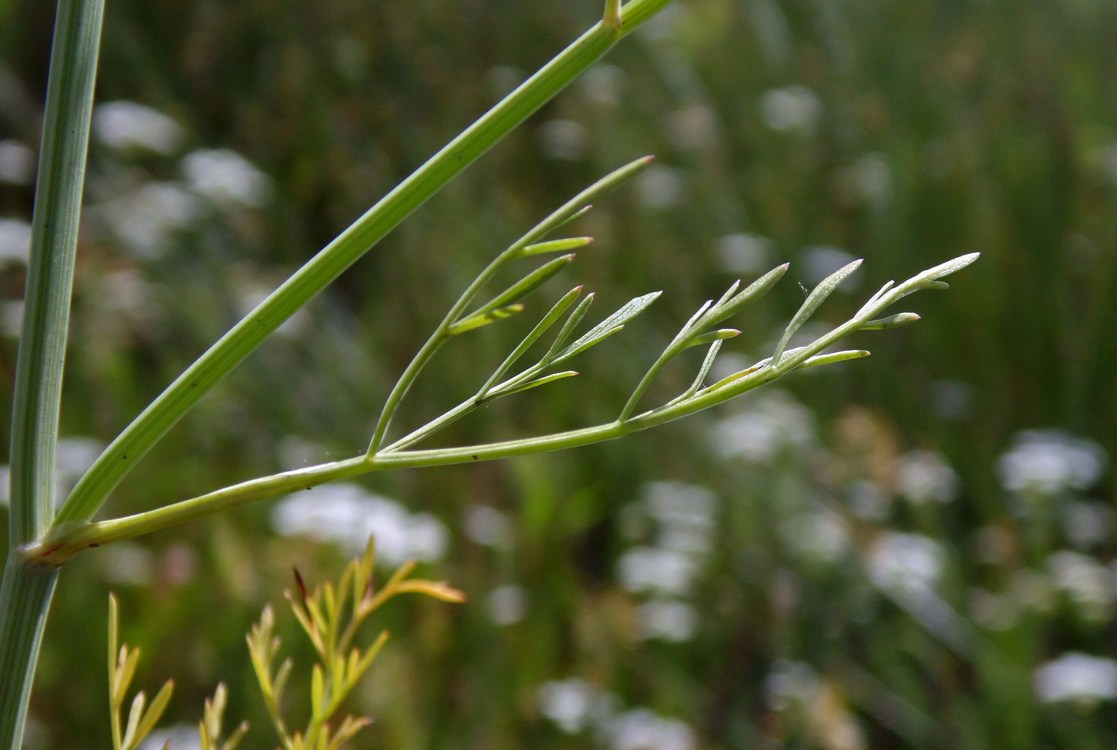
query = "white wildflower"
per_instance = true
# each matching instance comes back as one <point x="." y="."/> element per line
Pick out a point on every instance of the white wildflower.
<point x="818" y="537"/>
<point x="925" y="476"/>
<point x="790" y="684"/>
<point x="603" y="84"/>
<point x="682" y="504"/>
<point x="569" y="703"/>
<point x="905" y="565"/>
<point x="667" y="620"/>
<point x="488" y="526"/>
<point x="179" y="736"/>
<point x="147" y="219"/>
<point x="506" y="605"/>
<point x="1048" y="462"/>
<point x="17" y="163"/>
<point x="225" y="176"/>
<point x="692" y="127"/>
<point x="791" y="109"/>
<point x="643" y="729"/>
<point x="347" y="515"/>
<point x="657" y="570"/>
<point x="765" y="428"/>
<point x="745" y="253"/>
<point x="15" y="242"/>
<point x="1078" y="678"/>
<point x="128" y="126"/>
<point x="1086" y="582"/>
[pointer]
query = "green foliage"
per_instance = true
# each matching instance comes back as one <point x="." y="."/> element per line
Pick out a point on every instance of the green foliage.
<point x="209" y="728"/>
<point x="331" y="617"/>
<point x="935" y="130"/>
<point x="142" y="718"/>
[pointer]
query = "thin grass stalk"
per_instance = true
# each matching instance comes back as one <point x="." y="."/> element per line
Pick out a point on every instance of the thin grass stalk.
<point x="26" y="591"/>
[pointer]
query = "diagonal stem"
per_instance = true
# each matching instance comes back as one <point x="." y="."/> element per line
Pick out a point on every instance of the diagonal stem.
<point x="181" y="395"/>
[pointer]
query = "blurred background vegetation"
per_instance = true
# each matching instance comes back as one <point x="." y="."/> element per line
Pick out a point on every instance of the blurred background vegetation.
<point x="912" y="551"/>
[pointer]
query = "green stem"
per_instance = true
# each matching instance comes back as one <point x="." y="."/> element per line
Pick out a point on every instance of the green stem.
<point x="431" y="346"/>
<point x="26" y="591"/>
<point x="66" y="540"/>
<point x="25" y="596"/>
<point x="54" y="237"/>
<point x="63" y="541"/>
<point x="181" y="395"/>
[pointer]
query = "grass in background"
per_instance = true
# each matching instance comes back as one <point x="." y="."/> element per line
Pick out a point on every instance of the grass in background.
<point x="899" y="571"/>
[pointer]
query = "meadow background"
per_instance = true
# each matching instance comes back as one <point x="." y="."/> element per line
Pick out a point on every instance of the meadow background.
<point x="910" y="551"/>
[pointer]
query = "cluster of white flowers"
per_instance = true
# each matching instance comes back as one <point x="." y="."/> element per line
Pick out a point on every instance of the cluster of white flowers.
<point x="818" y="536"/>
<point x="789" y="684"/>
<point x="907" y="566"/>
<point x="926" y="477"/>
<point x="1048" y="462"/>
<point x="867" y="181"/>
<point x="346" y="514"/>
<point x="1077" y="678"/>
<point x="178" y="737"/>
<point x="792" y="109"/>
<point x="565" y="140"/>
<point x="15" y="242"/>
<point x="146" y="217"/>
<point x="507" y="603"/>
<point x="764" y="428"/>
<point x="1088" y="585"/>
<point x="128" y="126"/>
<point x="17" y="163"/>
<point x="744" y="253"/>
<point x="576" y="706"/>
<point x="684" y="518"/>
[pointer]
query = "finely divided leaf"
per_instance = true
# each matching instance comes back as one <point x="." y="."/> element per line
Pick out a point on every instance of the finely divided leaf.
<point x="703" y="371"/>
<point x="728" y="306"/>
<point x="481" y="319"/>
<point x="711" y="336"/>
<point x="609" y="326"/>
<point x="541" y="327"/>
<point x="568" y="327"/>
<point x="579" y="203"/>
<point x="540" y="381"/>
<point x="891" y="321"/>
<point x="556" y="246"/>
<point x="505" y="299"/>
<point x="834" y="357"/>
<point x="814" y="300"/>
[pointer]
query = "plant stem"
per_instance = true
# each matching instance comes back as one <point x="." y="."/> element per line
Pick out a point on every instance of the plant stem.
<point x="181" y="395"/>
<point x="25" y="596"/>
<point x="26" y="591"/>
<point x="66" y="540"/>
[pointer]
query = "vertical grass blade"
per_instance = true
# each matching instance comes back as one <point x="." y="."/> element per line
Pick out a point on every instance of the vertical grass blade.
<point x="54" y="238"/>
<point x="26" y="591"/>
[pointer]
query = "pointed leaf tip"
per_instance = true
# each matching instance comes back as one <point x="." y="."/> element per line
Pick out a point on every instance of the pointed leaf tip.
<point x="556" y="246"/>
<point x="814" y="300"/>
<point x="609" y="325"/>
<point x="891" y="321"/>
